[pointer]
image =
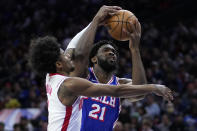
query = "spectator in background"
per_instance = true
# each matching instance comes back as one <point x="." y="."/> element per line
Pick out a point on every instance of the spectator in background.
<point x="147" y="124"/>
<point x="165" y="123"/>
<point x="124" y="115"/>
<point x="2" y="125"/>
<point x="127" y="127"/>
<point x="17" y="127"/>
<point x="169" y="50"/>
<point x="191" y="118"/>
<point x="25" y="124"/>
<point x="152" y="108"/>
<point x="12" y="103"/>
<point x="134" y="123"/>
<point x="178" y="124"/>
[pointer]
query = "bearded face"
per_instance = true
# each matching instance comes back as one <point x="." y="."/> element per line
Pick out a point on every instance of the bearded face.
<point x="107" y="58"/>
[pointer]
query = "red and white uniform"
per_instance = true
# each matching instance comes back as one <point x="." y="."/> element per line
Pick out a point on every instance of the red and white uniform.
<point x="61" y="118"/>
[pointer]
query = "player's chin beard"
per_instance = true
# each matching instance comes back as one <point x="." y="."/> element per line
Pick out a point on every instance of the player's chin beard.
<point x="106" y="66"/>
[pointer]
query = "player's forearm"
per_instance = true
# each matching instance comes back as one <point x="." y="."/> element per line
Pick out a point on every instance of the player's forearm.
<point x="85" y="88"/>
<point x="86" y="41"/>
<point x="134" y="90"/>
<point x="75" y="41"/>
<point x="138" y="72"/>
<point x="123" y="90"/>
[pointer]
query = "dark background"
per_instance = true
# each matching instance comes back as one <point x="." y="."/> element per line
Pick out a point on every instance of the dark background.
<point x="168" y="50"/>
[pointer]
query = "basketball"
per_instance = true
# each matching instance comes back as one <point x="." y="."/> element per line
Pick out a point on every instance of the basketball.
<point x="120" y="22"/>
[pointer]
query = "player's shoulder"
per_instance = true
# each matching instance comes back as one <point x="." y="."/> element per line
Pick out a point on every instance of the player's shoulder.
<point x="72" y="82"/>
<point x="67" y="84"/>
<point x="124" y="80"/>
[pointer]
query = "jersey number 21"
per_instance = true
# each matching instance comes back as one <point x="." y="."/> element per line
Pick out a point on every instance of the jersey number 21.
<point x="96" y="111"/>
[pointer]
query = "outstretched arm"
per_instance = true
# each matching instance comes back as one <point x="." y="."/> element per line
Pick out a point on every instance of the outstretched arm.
<point x="129" y="82"/>
<point x="73" y="87"/>
<point x="83" y="87"/>
<point x="84" y="40"/>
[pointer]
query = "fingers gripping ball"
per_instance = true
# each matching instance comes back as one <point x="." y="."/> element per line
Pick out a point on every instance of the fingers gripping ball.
<point x="122" y="21"/>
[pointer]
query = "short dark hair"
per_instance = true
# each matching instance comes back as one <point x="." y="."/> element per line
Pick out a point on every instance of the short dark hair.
<point x="97" y="46"/>
<point x="43" y="54"/>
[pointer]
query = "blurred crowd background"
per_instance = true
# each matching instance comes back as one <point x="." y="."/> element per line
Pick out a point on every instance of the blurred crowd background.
<point x="168" y="50"/>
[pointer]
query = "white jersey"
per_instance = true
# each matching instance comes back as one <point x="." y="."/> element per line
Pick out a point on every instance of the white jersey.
<point x="61" y="118"/>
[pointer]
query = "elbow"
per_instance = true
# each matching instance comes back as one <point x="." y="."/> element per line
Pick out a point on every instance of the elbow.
<point x="80" y="56"/>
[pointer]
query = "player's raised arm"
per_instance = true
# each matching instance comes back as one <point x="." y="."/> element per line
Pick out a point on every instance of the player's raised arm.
<point x="138" y="72"/>
<point x="81" y="87"/>
<point x="86" y="39"/>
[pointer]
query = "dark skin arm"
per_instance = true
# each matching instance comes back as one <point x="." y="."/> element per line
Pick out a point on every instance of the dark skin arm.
<point x="82" y="50"/>
<point x="138" y="72"/>
<point x="129" y="82"/>
<point x="86" y="41"/>
<point x="73" y="87"/>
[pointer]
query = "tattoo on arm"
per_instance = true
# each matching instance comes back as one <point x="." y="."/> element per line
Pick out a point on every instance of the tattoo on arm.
<point x="63" y="92"/>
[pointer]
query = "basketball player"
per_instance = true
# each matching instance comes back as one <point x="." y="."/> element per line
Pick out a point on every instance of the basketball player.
<point x="138" y="72"/>
<point x="103" y="111"/>
<point x="63" y="91"/>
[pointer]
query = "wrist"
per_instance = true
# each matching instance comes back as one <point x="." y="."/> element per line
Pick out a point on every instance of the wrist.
<point x="153" y="88"/>
<point x="135" y="50"/>
<point x="95" y="21"/>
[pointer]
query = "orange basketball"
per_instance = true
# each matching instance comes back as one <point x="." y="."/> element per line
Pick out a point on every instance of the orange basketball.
<point x="121" y="21"/>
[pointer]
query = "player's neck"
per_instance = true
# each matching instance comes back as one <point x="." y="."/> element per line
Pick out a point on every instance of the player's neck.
<point x="102" y="76"/>
<point x="63" y="73"/>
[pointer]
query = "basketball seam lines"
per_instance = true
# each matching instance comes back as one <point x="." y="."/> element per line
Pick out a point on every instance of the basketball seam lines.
<point x="118" y="21"/>
<point x="129" y="29"/>
<point x="122" y="25"/>
<point x="116" y="25"/>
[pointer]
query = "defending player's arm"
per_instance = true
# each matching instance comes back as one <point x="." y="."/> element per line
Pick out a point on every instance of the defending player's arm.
<point x="85" y="39"/>
<point x="82" y="50"/>
<point x="82" y="87"/>
<point x="129" y="82"/>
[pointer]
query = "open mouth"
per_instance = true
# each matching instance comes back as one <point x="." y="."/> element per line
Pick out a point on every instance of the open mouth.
<point x="112" y="60"/>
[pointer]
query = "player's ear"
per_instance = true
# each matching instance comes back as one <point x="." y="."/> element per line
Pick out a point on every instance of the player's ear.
<point x="58" y="64"/>
<point x="94" y="60"/>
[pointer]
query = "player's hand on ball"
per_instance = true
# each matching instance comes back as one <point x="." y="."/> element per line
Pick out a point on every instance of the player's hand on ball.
<point x="104" y="12"/>
<point x="163" y="91"/>
<point x="135" y="35"/>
